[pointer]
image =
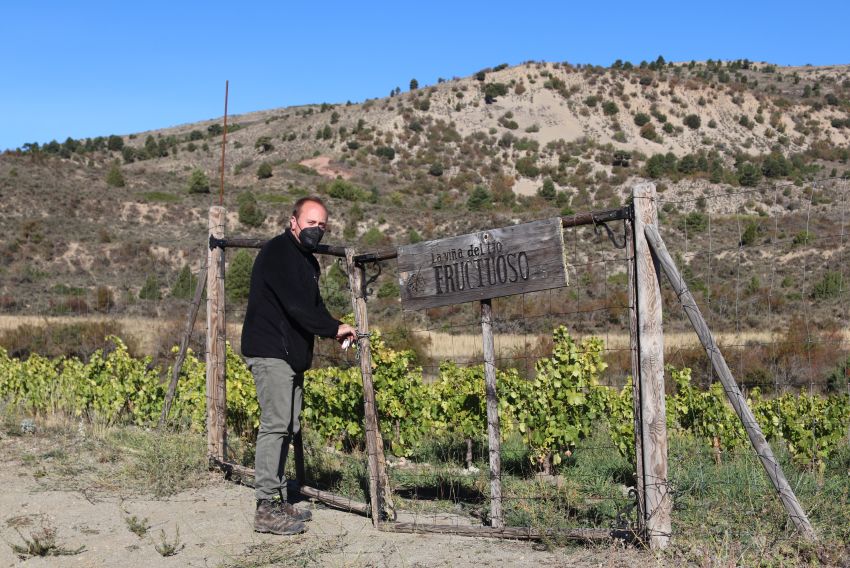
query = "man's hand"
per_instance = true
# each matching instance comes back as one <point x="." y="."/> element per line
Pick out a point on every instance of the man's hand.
<point x="344" y="332"/>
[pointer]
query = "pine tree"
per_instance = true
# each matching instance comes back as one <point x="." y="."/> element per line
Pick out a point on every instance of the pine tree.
<point x="150" y="289"/>
<point x="185" y="284"/>
<point x="115" y="178"/>
<point x="237" y="283"/>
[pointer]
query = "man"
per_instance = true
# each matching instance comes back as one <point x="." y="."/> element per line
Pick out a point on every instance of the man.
<point x="285" y="312"/>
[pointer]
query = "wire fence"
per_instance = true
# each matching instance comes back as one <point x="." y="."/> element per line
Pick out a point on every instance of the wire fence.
<point x="768" y="268"/>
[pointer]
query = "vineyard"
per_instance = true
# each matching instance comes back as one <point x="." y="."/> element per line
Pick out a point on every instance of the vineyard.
<point x="554" y="425"/>
<point x="551" y="414"/>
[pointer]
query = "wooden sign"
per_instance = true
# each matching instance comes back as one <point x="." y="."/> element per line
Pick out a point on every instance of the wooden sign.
<point x="488" y="264"/>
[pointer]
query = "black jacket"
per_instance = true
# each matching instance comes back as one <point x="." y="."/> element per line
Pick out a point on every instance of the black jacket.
<point x="285" y="310"/>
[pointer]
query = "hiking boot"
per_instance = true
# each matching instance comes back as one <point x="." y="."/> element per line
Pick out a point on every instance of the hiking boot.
<point x="270" y="518"/>
<point x="296" y="513"/>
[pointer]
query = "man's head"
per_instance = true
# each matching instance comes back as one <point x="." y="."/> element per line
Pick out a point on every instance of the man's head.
<point x="309" y="213"/>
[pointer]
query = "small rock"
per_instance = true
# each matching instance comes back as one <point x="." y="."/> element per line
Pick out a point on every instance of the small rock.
<point x="28" y="426"/>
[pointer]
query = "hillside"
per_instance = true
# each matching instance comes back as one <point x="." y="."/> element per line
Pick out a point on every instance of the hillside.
<point x="89" y="222"/>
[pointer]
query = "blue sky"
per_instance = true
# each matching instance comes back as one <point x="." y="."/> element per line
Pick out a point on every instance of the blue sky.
<point x="90" y="68"/>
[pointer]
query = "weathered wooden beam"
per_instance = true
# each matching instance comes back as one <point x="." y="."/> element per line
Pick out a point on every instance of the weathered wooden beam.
<point x="736" y="398"/>
<point x="515" y="533"/>
<point x="216" y="335"/>
<point x="245" y="476"/>
<point x="493" y="433"/>
<point x="380" y="494"/>
<point x="594" y="217"/>
<point x="389" y="253"/>
<point x="184" y="343"/>
<point x="244" y="242"/>
<point x="657" y="500"/>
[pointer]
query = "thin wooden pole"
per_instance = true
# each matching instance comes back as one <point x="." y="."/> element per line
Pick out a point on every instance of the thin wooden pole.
<point x="493" y="433"/>
<point x="634" y="345"/>
<point x="739" y="403"/>
<point x="223" y="144"/>
<point x="216" y="334"/>
<point x="380" y="494"/>
<point x="184" y="342"/>
<point x="657" y="502"/>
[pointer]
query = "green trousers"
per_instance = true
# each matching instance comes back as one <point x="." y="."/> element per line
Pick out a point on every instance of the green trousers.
<point x="280" y="392"/>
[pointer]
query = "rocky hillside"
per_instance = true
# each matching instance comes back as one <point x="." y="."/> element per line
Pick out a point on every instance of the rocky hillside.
<point x="90" y="225"/>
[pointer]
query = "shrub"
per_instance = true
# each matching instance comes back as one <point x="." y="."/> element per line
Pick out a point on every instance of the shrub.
<point x="374" y="237"/>
<point x="59" y="339"/>
<point x="648" y="131"/>
<point x="694" y="222"/>
<point x="413" y="236"/>
<point x="693" y="121"/>
<point x="114" y="177"/>
<point x="802" y="238"/>
<point x="386" y="152"/>
<point x="436" y="170"/>
<point x="264" y="144"/>
<point x="527" y="166"/>
<point x="343" y="189"/>
<point x="198" y="182"/>
<point x="388" y="290"/>
<point x="655" y="166"/>
<point x="237" y="283"/>
<point x="150" y="289"/>
<point x="104" y="300"/>
<point x="185" y="284"/>
<point x="748" y="174"/>
<point x="751" y="232"/>
<point x="828" y="287"/>
<point x="547" y="190"/>
<point x="641" y="118"/>
<point x="493" y="90"/>
<point x="479" y="199"/>
<point x="250" y="213"/>
<point x="264" y="171"/>
<point x="610" y="108"/>
<point x="115" y="143"/>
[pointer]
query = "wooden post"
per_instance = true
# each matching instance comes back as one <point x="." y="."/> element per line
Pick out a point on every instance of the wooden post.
<point x="657" y="501"/>
<point x="380" y="494"/>
<point x="184" y="343"/>
<point x="739" y="403"/>
<point x="634" y="346"/>
<point x="493" y="434"/>
<point x="216" y="333"/>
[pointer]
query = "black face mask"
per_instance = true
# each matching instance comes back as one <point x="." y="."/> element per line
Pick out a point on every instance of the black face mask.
<point x="310" y="238"/>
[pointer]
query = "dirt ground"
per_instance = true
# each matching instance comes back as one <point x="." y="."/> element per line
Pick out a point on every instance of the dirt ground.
<point x="84" y="500"/>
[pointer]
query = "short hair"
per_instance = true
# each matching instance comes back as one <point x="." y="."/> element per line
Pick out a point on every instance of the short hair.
<point x="296" y="210"/>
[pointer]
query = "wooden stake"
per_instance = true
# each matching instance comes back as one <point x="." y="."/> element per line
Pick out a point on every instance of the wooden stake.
<point x="216" y="334"/>
<point x="634" y="345"/>
<point x="380" y="494"/>
<point x="657" y="501"/>
<point x="184" y="343"/>
<point x="739" y="403"/>
<point x="493" y="434"/>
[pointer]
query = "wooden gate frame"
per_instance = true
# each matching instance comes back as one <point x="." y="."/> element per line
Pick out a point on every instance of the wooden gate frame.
<point x="645" y="247"/>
